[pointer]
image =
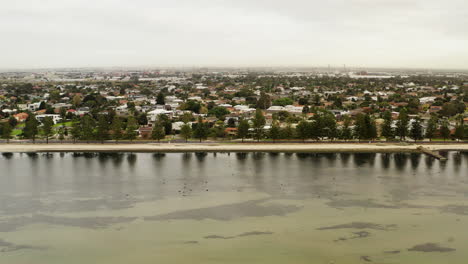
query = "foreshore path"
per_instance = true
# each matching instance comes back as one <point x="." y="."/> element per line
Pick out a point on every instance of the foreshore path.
<point x="230" y="147"/>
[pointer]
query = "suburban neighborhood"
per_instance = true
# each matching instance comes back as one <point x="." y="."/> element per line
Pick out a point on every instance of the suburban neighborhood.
<point x="233" y="105"/>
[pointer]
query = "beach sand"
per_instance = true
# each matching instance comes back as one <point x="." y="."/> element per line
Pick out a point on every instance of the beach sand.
<point x="229" y="147"/>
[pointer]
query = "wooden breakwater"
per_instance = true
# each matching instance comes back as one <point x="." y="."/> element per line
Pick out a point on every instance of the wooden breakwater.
<point x="431" y="153"/>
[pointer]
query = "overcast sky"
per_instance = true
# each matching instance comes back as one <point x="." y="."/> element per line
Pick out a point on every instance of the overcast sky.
<point x="363" y="33"/>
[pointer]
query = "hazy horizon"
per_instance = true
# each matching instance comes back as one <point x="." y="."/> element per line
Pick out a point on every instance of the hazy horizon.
<point x="412" y="34"/>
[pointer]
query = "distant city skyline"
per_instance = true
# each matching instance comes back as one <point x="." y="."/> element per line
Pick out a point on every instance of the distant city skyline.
<point x="257" y="33"/>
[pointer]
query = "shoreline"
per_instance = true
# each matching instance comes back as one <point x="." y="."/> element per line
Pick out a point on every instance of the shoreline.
<point x="220" y="147"/>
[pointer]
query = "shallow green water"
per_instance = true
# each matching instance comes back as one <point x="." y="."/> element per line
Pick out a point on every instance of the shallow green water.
<point x="237" y="208"/>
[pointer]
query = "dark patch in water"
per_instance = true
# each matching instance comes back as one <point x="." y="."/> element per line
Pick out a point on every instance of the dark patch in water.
<point x="252" y="233"/>
<point x="361" y="234"/>
<point x="431" y="247"/>
<point x="218" y="237"/>
<point x="86" y="222"/>
<point x="402" y="194"/>
<point x="191" y="242"/>
<point x="340" y="239"/>
<point x="230" y="211"/>
<point x="366" y="258"/>
<point x="359" y="225"/>
<point x="455" y="209"/>
<point x="31" y="205"/>
<point x="392" y="252"/>
<point x="359" y="203"/>
<point x="8" y="247"/>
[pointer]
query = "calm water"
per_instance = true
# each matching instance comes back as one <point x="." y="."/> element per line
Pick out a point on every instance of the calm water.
<point x="237" y="208"/>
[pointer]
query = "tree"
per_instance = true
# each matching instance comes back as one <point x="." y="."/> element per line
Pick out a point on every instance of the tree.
<point x="452" y="108"/>
<point x="102" y="131"/>
<point x="287" y="132"/>
<point x="142" y="119"/>
<point x="47" y="127"/>
<point x="365" y="127"/>
<point x="219" y="112"/>
<point x="315" y="128"/>
<point x="328" y="123"/>
<point x="431" y="127"/>
<point x="283" y="101"/>
<point x="416" y="130"/>
<point x="302" y="130"/>
<point x="63" y="113"/>
<point x="158" y="132"/>
<point x="167" y="123"/>
<point x="346" y="132"/>
<point x="303" y="101"/>
<point x="61" y="133"/>
<point x="402" y="124"/>
<point x="42" y="105"/>
<point x="76" y="129"/>
<point x="30" y="130"/>
<point x="186" y="117"/>
<point x="131" y="130"/>
<point x="444" y="130"/>
<point x="192" y="105"/>
<point x="460" y="128"/>
<point x="372" y="128"/>
<point x="160" y="99"/>
<point x="218" y="130"/>
<point x="258" y="124"/>
<point x="201" y="130"/>
<point x="317" y="100"/>
<point x="116" y="128"/>
<point x="87" y="128"/>
<point x="243" y="129"/>
<point x="6" y="131"/>
<point x="76" y="101"/>
<point x="460" y="132"/>
<point x="264" y="101"/>
<point x="275" y="131"/>
<point x="387" y="130"/>
<point x="231" y="122"/>
<point x="12" y="121"/>
<point x="186" y="131"/>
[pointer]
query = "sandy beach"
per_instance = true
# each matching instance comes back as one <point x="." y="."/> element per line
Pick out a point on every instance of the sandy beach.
<point x="220" y="147"/>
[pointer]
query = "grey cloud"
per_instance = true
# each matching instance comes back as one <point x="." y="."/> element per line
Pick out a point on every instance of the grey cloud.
<point x="406" y="33"/>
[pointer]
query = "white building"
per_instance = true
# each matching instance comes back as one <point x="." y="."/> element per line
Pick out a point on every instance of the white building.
<point x="56" y="118"/>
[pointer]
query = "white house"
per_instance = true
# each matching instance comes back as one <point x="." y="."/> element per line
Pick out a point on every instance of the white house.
<point x="55" y="118"/>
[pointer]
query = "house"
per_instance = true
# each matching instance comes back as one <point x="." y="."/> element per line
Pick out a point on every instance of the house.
<point x="435" y="109"/>
<point x="231" y="131"/>
<point x="34" y="106"/>
<point x="153" y="115"/>
<point x="55" y="118"/>
<point x="21" y="117"/>
<point x="82" y="111"/>
<point x="145" y="132"/>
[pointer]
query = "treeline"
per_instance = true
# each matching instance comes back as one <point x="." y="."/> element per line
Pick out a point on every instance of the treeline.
<point x="322" y="126"/>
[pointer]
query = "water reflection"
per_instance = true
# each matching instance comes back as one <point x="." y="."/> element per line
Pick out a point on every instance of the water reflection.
<point x="7" y="155"/>
<point x="360" y="159"/>
<point x="241" y="156"/>
<point x="401" y="160"/>
<point x="159" y="156"/>
<point x="415" y="158"/>
<point x="131" y="159"/>
<point x="201" y="155"/>
<point x="385" y="160"/>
